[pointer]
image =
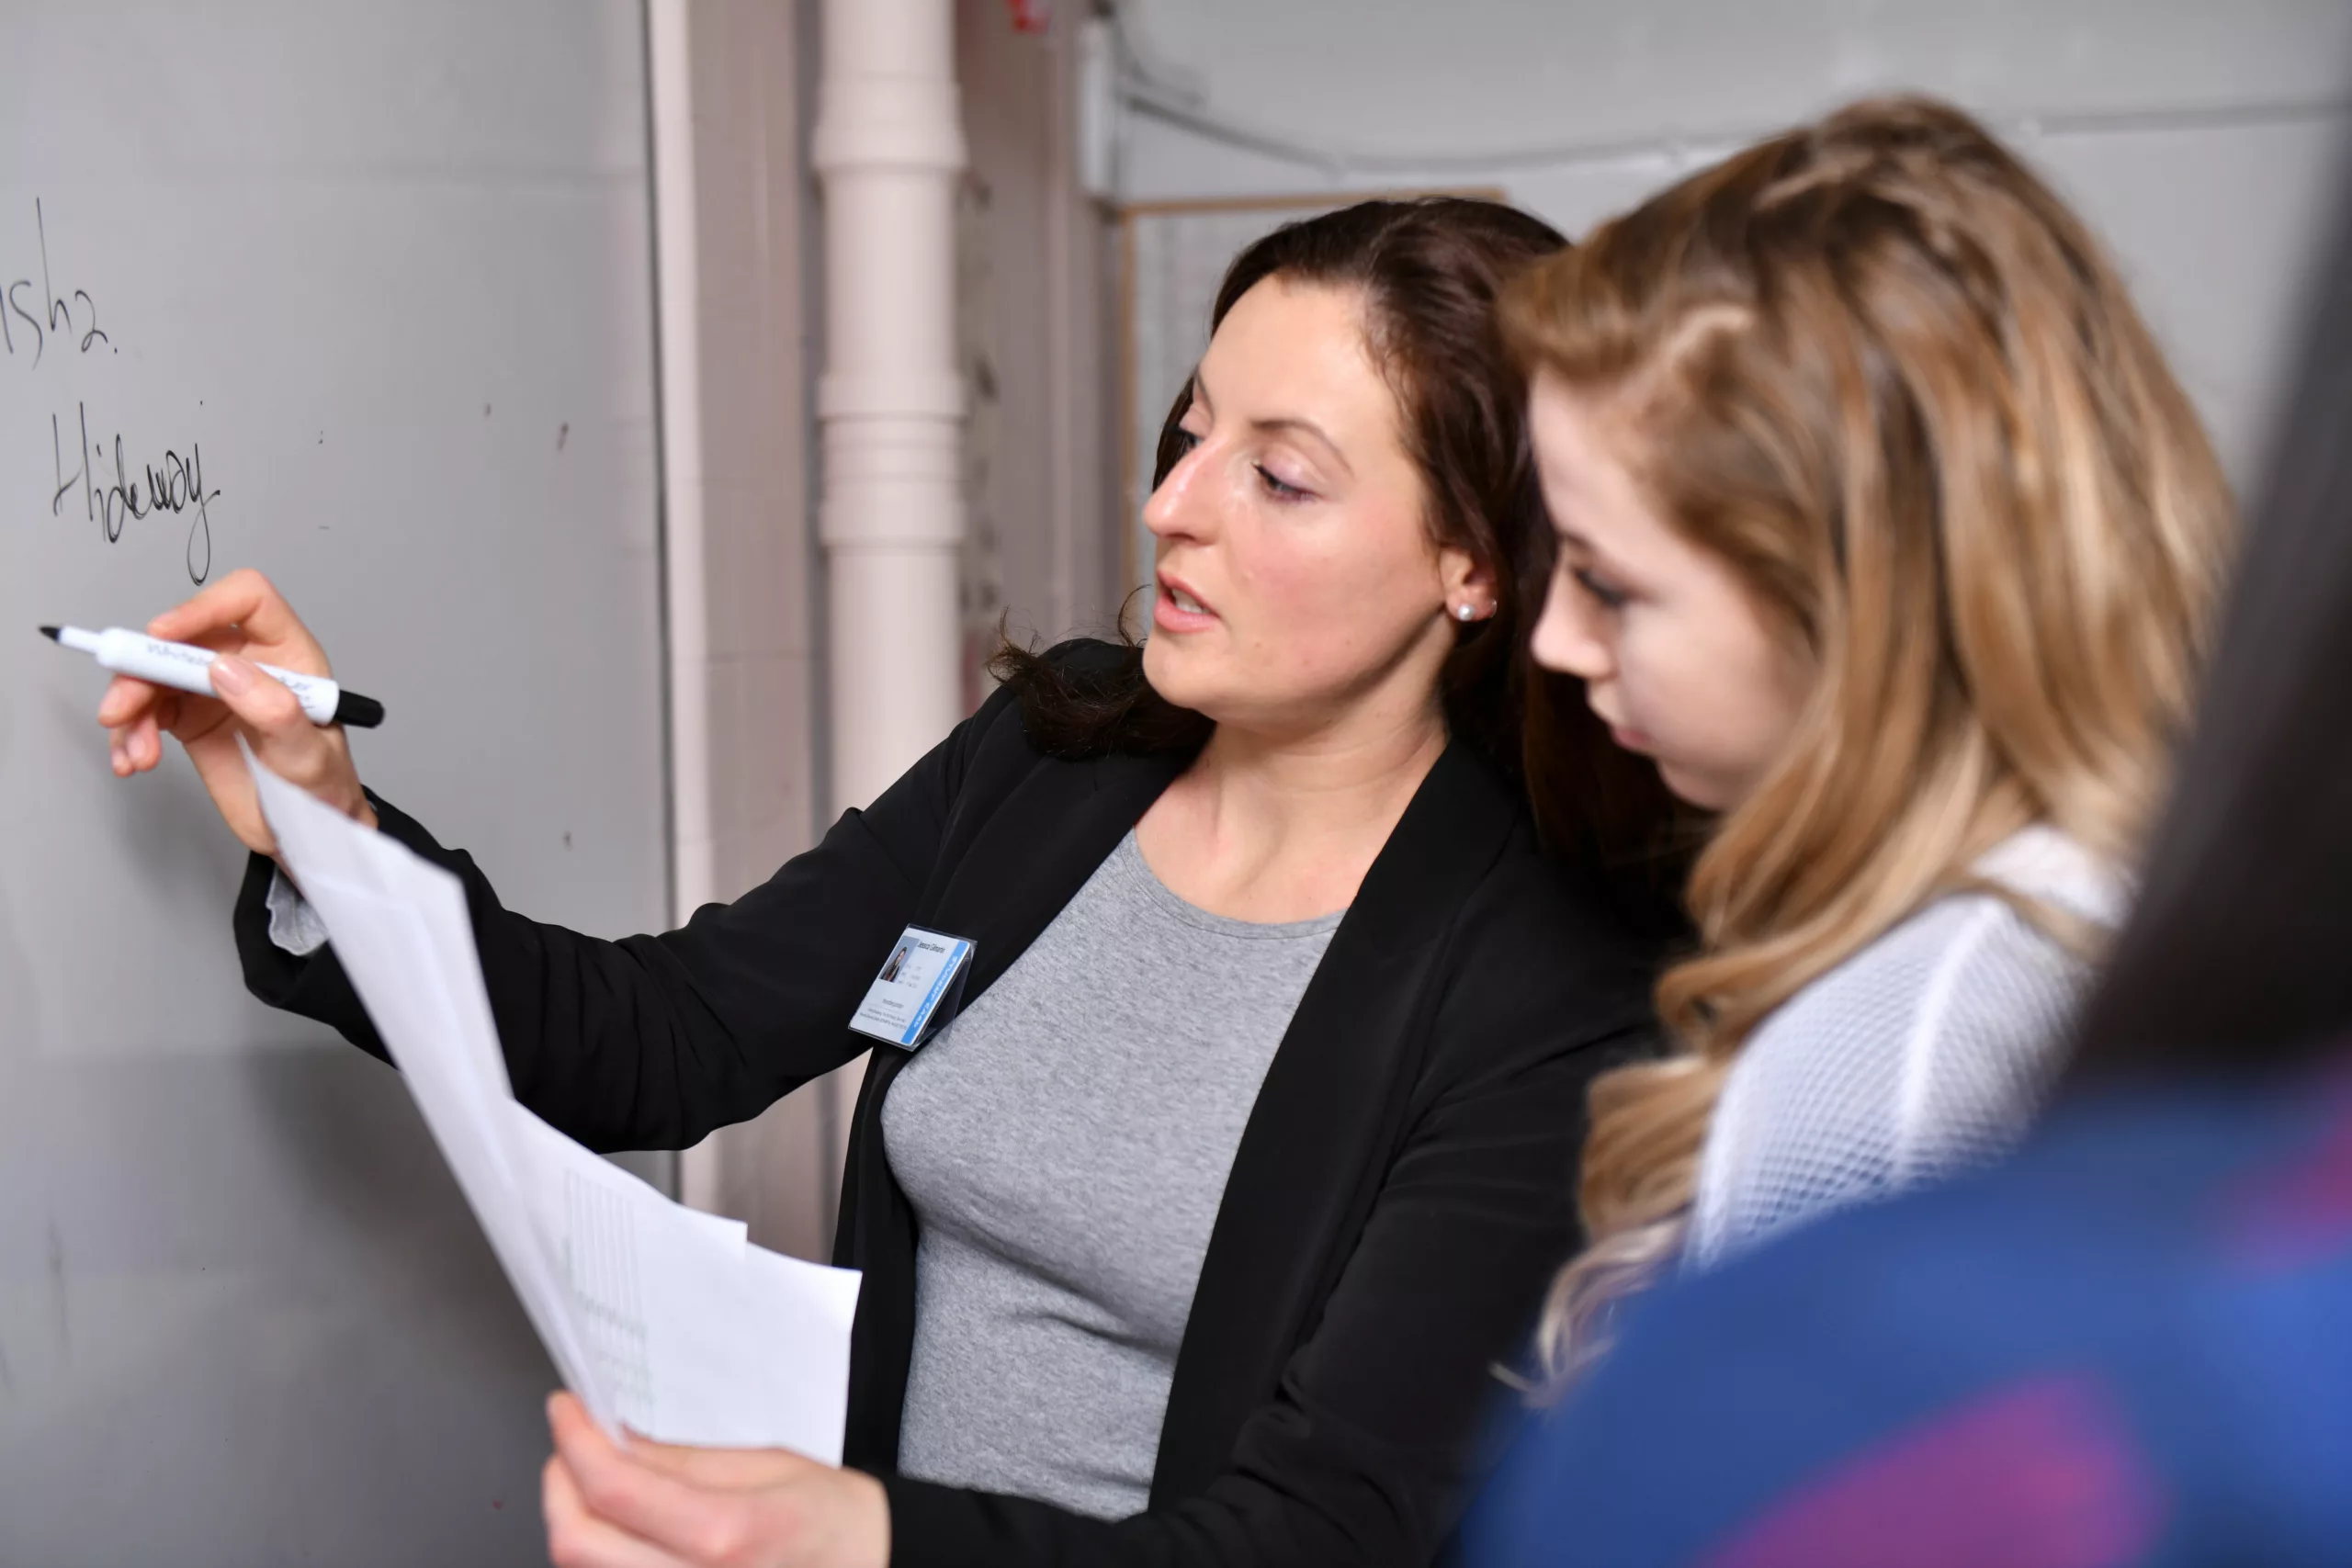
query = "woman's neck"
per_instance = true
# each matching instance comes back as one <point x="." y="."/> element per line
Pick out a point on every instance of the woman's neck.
<point x="1272" y="828"/>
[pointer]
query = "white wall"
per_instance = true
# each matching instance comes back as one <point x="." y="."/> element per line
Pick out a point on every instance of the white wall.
<point x="1043" y="540"/>
<point x="2198" y="136"/>
<point x="744" y="462"/>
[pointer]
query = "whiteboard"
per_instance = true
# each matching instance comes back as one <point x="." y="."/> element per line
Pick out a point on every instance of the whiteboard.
<point x="360" y="295"/>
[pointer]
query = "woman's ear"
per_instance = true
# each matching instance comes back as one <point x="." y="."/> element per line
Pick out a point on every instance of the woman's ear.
<point x="1468" y="583"/>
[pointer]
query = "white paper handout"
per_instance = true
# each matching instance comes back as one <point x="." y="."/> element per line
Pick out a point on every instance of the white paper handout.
<point x="659" y="1317"/>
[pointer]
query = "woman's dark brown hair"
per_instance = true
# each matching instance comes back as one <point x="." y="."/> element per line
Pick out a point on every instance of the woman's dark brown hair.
<point x="1428" y="272"/>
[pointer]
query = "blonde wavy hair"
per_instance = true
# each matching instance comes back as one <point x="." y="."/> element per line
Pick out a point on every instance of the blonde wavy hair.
<point x="1880" y="369"/>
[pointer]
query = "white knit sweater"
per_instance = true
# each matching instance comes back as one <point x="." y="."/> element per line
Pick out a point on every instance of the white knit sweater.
<point x="1927" y="1052"/>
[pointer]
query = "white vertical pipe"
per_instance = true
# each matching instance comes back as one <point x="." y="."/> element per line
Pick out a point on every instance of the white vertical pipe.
<point x="1061" y="351"/>
<point x="685" y="605"/>
<point x="889" y="145"/>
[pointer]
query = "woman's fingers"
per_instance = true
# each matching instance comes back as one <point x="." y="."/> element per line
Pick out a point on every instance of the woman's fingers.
<point x="728" y="1470"/>
<point x="578" y="1539"/>
<point x="130" y="704"/>
<point x="243" y="619"/>
<point x="243" y="598"/>
<point x="283" y="736"/>
<point x="146" y="742"/>
<point x="242" y="612"/>
<point x="138" y="746"/>
<point x="124" y="699"/>
<point x="700" y="1525"/>
<point x="265" y="703"/>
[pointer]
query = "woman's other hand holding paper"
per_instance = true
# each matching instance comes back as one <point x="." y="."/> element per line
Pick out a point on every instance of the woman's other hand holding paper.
<point x="656" y="1506"/>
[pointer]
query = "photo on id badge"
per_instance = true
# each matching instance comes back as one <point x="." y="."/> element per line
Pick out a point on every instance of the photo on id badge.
<point x="918" y="990"/>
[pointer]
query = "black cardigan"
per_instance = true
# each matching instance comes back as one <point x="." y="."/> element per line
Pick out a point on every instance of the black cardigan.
<point x="1402" y="1190"/>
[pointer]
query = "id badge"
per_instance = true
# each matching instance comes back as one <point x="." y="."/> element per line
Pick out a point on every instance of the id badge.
<point x="918" y="990"/>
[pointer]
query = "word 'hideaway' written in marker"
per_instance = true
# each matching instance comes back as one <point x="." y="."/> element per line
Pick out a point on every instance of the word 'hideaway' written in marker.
<point x="48" y="320"/>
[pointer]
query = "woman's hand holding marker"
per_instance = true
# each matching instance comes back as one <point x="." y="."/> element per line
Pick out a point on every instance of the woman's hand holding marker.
<point x="244" y="619"/>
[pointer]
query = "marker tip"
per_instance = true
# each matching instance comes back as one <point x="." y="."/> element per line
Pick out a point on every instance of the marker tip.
<point x="50" y="632"/>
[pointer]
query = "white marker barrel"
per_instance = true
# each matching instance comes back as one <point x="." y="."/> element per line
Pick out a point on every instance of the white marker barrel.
<point x="188" y="668"/>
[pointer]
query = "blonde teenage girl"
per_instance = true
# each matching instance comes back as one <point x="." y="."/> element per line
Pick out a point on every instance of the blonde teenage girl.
<point x="1885" y="530"/>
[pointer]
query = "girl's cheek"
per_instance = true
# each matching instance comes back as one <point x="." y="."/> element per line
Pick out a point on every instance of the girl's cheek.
<point x="1649" y="704"/>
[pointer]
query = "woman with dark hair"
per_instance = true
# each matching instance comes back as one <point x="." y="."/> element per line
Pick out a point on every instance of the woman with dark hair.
<point x="1195" y="1238"/>
<point x="2132" y="1345"/>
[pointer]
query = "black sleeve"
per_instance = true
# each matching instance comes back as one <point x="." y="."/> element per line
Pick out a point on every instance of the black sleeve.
<point x="1363" y="1456"/>
<point x="650" y="1042"/>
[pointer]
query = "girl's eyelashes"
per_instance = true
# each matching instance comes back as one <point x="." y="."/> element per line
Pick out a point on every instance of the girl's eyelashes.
<point x="1605" y="594"/>
<point x="1186" y="440"/>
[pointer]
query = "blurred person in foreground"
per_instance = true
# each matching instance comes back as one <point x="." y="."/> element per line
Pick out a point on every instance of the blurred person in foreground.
<point x="2131" y="1343"/>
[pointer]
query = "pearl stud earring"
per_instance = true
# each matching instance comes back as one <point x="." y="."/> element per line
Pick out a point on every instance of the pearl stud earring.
<point x="1464" y="612"/>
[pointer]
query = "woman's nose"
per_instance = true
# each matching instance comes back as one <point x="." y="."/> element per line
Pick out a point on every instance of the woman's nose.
<point x="1175" y="506"/>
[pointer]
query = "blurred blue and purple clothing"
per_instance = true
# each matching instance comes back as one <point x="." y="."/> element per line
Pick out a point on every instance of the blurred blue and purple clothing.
<point x="2131" y="1344"/>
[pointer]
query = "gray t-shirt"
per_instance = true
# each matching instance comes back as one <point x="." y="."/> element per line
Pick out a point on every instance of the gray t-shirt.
<point x="1064" y="1143"/>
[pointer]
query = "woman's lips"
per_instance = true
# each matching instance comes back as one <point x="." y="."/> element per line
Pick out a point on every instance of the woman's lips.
<point x="1168" y="615"/>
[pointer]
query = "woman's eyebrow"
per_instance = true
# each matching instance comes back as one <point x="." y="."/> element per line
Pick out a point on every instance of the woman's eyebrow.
<point x="1288" y="424"/>
<point x="1280" y="424"/>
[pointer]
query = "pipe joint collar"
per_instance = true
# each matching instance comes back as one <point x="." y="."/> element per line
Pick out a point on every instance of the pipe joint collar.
<point x="887" y="122"/>
<point x="887" y="394"/>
